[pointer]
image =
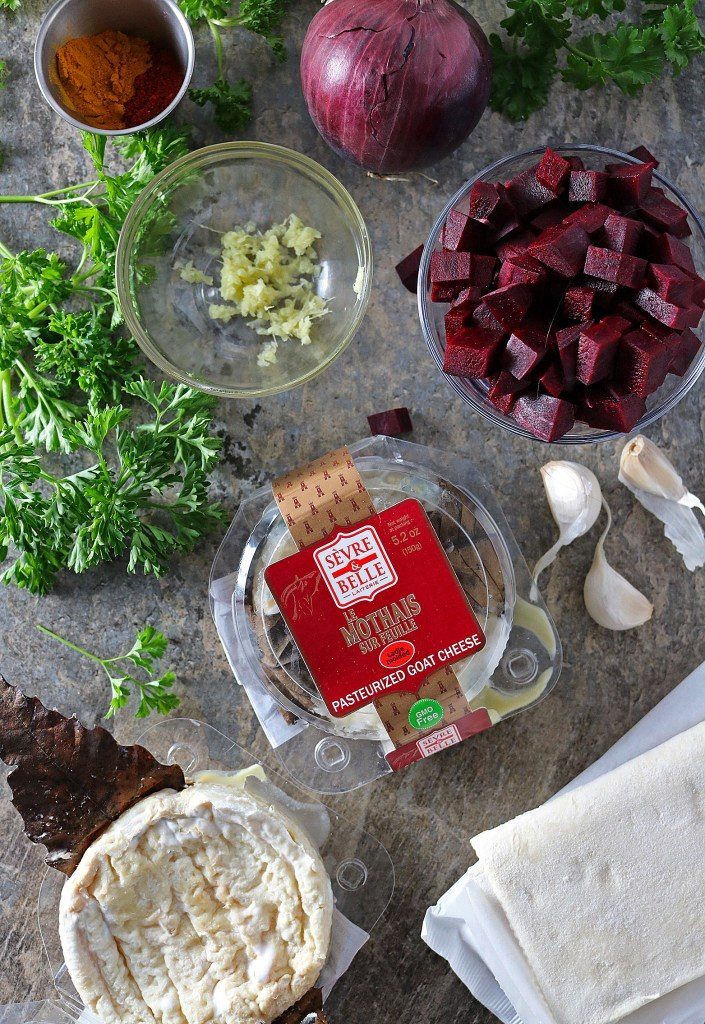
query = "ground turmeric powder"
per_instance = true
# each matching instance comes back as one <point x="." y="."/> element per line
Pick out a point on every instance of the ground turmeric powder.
<point x="97" y="74"/>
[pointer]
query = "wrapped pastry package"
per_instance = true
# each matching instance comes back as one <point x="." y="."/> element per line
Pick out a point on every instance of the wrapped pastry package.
<point x="376" y="609"/>
<point x="355" y="867"/>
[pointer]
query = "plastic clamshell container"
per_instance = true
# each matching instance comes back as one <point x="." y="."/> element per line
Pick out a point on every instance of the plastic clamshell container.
<point x="360" y="869"/>
<point x="518" y="667"/>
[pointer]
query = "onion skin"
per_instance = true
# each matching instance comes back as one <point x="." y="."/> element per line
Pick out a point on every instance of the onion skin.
<point x="395" y="85"/>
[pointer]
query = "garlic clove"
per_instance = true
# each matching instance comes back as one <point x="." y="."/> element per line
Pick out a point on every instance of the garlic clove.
<point x="648" y="473"/>
<point x="574" y="498"/>
<point x="610" y="599"/>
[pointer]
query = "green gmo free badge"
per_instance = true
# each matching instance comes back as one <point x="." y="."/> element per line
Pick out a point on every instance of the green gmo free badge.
<point x="425" y="713"/>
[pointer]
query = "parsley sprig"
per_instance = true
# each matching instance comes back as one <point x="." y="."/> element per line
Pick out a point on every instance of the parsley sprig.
<point x="138" y="457"/>
<point x="628" y="55"/>
<point x="154" y="691"/>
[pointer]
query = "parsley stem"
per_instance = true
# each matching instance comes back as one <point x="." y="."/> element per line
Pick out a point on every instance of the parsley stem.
<point x="218" y="40"/>
<point x="69" y="643"/>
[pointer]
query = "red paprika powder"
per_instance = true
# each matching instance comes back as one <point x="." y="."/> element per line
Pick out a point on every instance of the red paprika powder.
<point x="155" y="88"/>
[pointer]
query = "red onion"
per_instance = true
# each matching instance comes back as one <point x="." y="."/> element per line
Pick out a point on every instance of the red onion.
<point x="395" y="84"/>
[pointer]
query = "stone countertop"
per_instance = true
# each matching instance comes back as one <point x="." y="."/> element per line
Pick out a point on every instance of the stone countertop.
<point x="426" y="814"/>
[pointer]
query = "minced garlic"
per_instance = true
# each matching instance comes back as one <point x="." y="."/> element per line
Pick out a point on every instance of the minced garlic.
<point x="268" y="278"/>
<point x="192" y="274"/>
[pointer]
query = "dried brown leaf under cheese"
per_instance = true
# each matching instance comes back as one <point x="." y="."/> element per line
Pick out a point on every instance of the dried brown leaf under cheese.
<point x="68" y="782"/>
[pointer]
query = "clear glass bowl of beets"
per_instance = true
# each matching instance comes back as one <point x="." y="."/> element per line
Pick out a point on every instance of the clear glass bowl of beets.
<point x="560" y="293"/>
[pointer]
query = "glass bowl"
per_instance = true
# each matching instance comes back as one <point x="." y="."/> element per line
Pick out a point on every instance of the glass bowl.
<point x="179" y="217"/>
<point x="474" y="392"/>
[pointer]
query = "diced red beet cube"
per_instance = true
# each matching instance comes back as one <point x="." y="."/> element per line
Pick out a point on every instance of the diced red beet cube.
<point x="665" y="312"/>
<point x="509" y="305"/>
<point x="611" y="408"/>
<point x="553" y="171"/>
<point x="699" y="291"/>
<point x="462" y="268"/>
<point x="591" y="217"/>
<point x="460" y="234"/>
<point x="605" y="291"/>
<point x="576" y="164"/>
<point x="693" y="315"/>
<point x="629" y="184"/>
<point x="626" y="308"/>
<point x="597" y="348"/>
<point x="552" y="379"/>
<point x="525" y="349"/>
<point x="516" y="243"/>
<point x="455" y="322"/>
<point x="527" y="194"/>
<point x="568" y="340"/>
<point x="648" y="243"/>
<point x="670" y="249"/>
<point x="562" y="248"/>
<point x="473" y="355"/>
<point x="504" y="390"/>
<point x="521" y="270"/>
<point x="684" y="352"/>
<point x="587" y="186"/>
<point x="467" y="301"/>
<point x="643" y="154"/>
<point x="578" y="303"/>
<point x="550" y="216"/>
<point x="484" y="318"/>
<point x="544" y="416"/>
<point x="658" y="331"/>
<point x="491" y="207"/>
<point x="443" y="292"/>
<point x="671" y="283"/>
<point x="621" y="233"/>
<point x="618" y="267"/>
<point x="641" y="363"/>
<point x="391" y="423"/>
<point x="408" y="269"/>
<point x="664" y="214"/>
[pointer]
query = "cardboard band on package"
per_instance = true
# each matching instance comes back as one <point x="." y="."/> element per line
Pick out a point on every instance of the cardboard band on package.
<point x="327" y="494"/>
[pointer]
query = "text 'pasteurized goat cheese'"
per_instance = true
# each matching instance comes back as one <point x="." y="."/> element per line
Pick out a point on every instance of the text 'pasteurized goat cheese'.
<point x="206" y="905"/>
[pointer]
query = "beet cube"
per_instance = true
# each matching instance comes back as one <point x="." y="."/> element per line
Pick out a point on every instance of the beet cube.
<point x="491" y="207"/>
<point x="516" y="244"/>
<point x="527" y="194"/>
<point x="562" y="248"/>
<point x="622" y="233"/>
<point x="658" y="331"/>
<point x="509" y="305"/>
<point x="466" y="301"/>
<point x="460" y="234"/>
<point x="699" y="291"/>
<point x="576" y="164"/>
<point x="391" y="423"/>
<point x="684" y="352"/>
<point x="408" y="269"/>
<point x="525" y="349"/>
<point x="605" y="291"/>
<point x="611" y="408"/>
<point x="521" y="270"/>
<point x="643" y="154"/>
<point x="665" y="312"/>
<point x="544" y="416"/>
<point x="443" y="292"/>
<point x="669" y="249"/>
<point x="473" y="355"/>
<point x="455" y="321"/>
<point x="568" y="339"/>
<point x="597" y="347"/>
<point x="591" y="217"/>
<point x="552" y="380"/>
<point x="553" y="171"/>
<point x="504" y="390"/>
<point x="578" y="303"/>
<point x="641" y="363"/>
<point x="461" y="268"/>
<point x="658" y="210"/>
<point x="629" y="184"/>
<point x="626" y="309"/>
<point x="587" y="186"/>
<point x="671" y="283"/>
<point x="484" y="318"/>
<point x="550" y="216"/>
<point x="618" y="267"/>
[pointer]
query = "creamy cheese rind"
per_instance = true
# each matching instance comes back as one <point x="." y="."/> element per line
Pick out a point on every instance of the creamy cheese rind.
<point x="194" y="907"/>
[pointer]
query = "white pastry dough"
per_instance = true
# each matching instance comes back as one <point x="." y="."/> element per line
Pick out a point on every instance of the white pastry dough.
<point x="196" y="907"/>
<point x="604" y="887"/>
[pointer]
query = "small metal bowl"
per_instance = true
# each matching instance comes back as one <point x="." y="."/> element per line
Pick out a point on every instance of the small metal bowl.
<point x="159" y="21"/>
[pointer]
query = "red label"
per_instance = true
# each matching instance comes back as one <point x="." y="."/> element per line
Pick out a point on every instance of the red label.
<point x="443" y="737"/>
<point x="375" y="608"/>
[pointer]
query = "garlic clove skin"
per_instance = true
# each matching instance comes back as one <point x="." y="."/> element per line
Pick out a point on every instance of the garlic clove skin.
<point x="610" y="599"/>
<point x="575" y="498"/>
<point x="643" y="465"/>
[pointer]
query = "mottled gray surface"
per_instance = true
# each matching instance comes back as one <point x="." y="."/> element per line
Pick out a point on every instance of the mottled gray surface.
<point x="426" y="814"/>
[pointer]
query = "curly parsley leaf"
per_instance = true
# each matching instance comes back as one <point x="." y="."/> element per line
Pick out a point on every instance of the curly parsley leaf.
<point x="153" y="690"/>
<point x="232" y="103"/>
<point x="208" y="10"/>
<point x="631" y="57"/>
<point x="522" y="79"/>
